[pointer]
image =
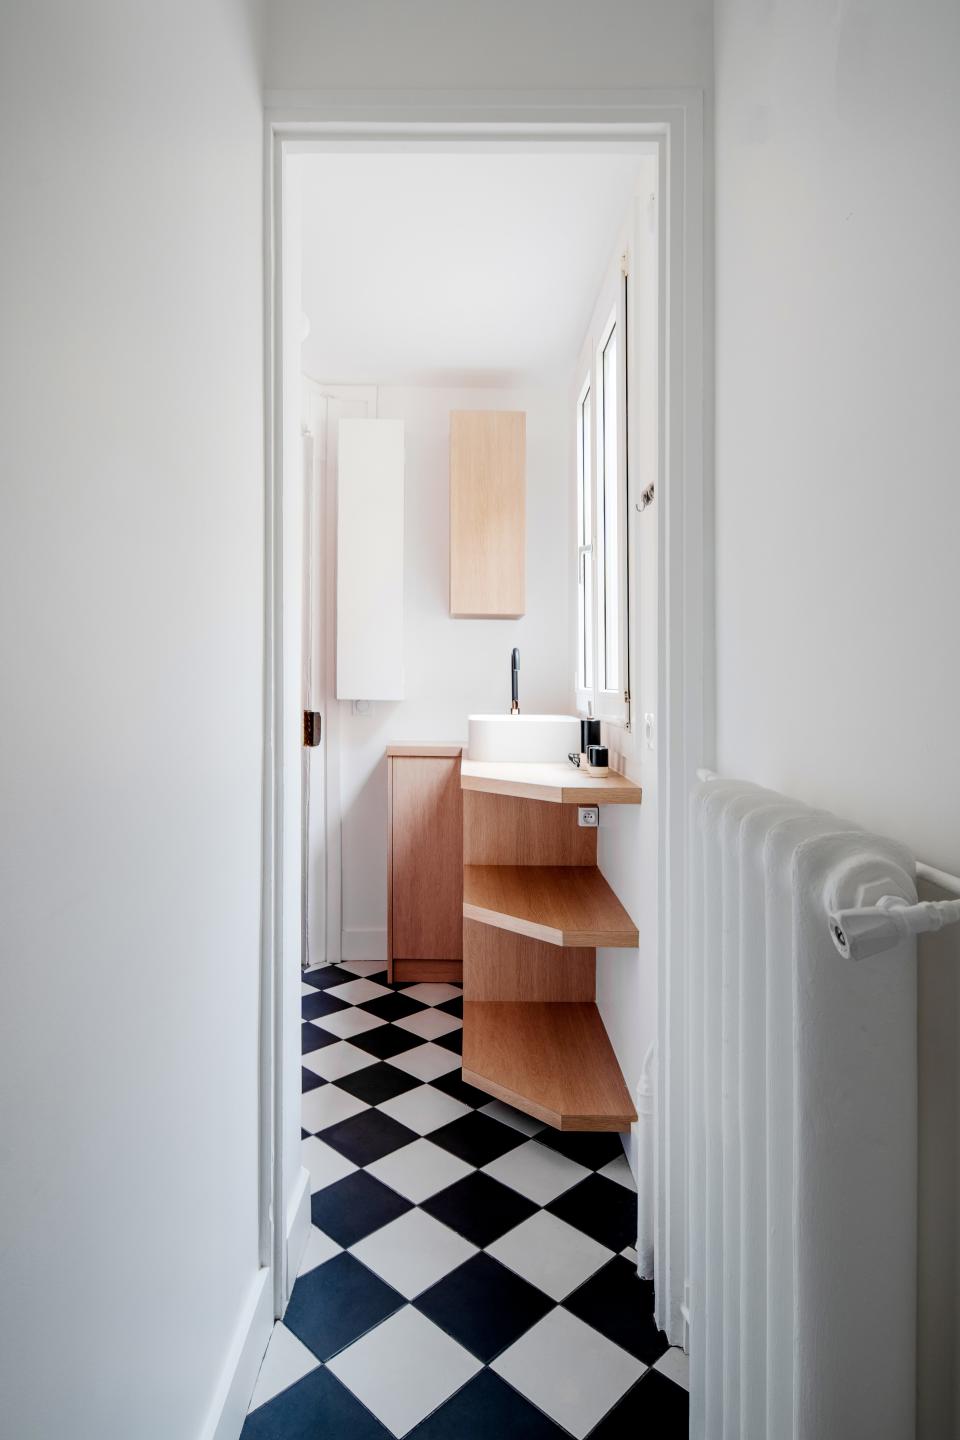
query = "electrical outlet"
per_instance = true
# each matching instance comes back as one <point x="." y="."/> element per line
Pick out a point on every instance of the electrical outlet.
<point x="588" y="816"/>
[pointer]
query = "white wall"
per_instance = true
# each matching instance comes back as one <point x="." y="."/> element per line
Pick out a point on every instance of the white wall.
<point x="499" y="44"/>
<point x="454" y="667"/>
<point x="130" y="631"/>
<point x="838" y="430"/>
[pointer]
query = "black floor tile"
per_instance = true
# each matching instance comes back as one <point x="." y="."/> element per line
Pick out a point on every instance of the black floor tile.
<point x="600" y="1208"/>
<point x="484" y="1306"/>
<point x="477" y="1138"/>
<point x="336" y="1303"/>
<point x="313" y="1038"/>
<point x="591" y="1148"/>
<point x="316" y="1405"/>
<point x="355" y="1207"/>
<point x="309" y="1081"/>
<point x="614" y="1301"/>
<point x="452" y="1007"/>
<point x="368" y="1136"/>
<point x="479" y="1208"/>
<point x="320" y="1003"/>
<point x="328" y="976"/>
<point x="385" y="1041"/>
<point x="453" y="1040"/>
<point x="487" y="1408"/>
<point x="377" y="1083"/>
<point x="655" y="1407"/>
<point x="453" y="1084"/>
<point x="392" y="1007"/>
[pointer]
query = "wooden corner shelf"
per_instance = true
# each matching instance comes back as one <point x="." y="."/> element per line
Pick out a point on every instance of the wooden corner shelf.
<point x="562" y="904"/>
<point x="562" y="784"/>
<point x="552" y="1060"/>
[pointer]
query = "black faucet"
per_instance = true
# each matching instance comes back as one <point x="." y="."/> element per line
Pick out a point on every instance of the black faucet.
<point x="515" y="682"/>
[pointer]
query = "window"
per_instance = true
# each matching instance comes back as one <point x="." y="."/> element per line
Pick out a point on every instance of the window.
<point x="603" y="681"/>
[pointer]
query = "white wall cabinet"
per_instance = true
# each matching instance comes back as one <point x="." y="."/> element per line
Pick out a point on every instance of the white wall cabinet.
<point x="370" y="560"/>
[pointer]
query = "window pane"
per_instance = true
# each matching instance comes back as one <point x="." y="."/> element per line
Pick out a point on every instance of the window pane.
<point x="611" y="520"/>
<point x="584" y="538"/>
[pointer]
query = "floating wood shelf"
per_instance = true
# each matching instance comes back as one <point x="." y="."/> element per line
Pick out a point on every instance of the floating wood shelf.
<point x="551" y="1060"/>
<point x="562" y="904"/>
<point x="562" y="784"/>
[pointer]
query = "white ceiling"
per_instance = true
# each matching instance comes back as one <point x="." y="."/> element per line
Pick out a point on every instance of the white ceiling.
<point x="468" y="268"/>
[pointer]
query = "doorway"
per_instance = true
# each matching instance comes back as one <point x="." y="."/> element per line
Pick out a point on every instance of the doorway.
<point x="287" y="898"/>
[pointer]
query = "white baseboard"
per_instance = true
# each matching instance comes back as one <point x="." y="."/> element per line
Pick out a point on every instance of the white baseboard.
<point x="242" y="1365"/>
<point x="357" y="943"/>
<point x="298" y="1227"/>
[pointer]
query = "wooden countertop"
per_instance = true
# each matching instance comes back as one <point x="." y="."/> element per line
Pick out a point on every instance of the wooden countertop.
<point x="562" y="783"/>
<point x="447" y="751"/>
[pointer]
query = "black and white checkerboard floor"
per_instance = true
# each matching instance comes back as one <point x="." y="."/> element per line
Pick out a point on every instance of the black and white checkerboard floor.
<point x="468" y="1273"/>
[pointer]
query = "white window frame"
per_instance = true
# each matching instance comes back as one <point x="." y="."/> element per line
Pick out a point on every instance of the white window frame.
<point x="593" y="698"/>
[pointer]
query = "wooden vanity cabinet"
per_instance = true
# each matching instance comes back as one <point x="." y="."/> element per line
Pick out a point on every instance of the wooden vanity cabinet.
<point x="424" y="863"/>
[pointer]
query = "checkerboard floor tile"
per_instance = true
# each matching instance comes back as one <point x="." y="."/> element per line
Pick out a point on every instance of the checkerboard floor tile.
<point x="469" y="1271"/>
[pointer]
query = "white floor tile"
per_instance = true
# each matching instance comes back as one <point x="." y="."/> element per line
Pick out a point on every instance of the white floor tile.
<point x="629" y="1253"/>
<point x="326" y="1166"/>
<point x="426" y="1062"/>
<point x="550" y="1254"/>
<point x="620" y="1171"/>
<point x="358" y="992"/>
<point x="349" y="1022"/>
<point x="424" y="1109"/>
<point x="515" y="1118"/>
<point x="317" y="1251"/>
<point x="286" y="1361"/>
<point x="404" y="1369"/>
<point x="419" y="1170"/>
<point x="428" y="1024"/>
<point x="306" y="989"/>
<point x="325" y="1106"/>
<point x="335" y="1061"/>
<point x="364" y="967"/>
<point x="569" y="1369"/>
<point x="431" y="992"/>
<point x="537" y="1172"/>
<point x="676" y="1366"/>
<point x="413" y="1252"/>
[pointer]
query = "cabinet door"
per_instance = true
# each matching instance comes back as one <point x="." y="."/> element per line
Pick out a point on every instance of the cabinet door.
<point x="487" y="512"/>
<point x="427" y="858"/>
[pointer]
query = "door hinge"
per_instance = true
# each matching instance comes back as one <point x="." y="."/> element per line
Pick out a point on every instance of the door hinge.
<point x="312" y="726"/>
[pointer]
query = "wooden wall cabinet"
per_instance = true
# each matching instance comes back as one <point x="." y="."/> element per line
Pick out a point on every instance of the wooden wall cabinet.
<point x="424" y="863"/>
<point x="488" y="496"/>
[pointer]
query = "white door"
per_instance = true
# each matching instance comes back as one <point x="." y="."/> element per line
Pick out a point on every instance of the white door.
<point x="324" y="406"/>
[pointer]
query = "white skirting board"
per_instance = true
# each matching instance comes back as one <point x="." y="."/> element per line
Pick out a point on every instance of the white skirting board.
<point x="364" y="943"/>
<point x="242" y="1365"/>
<point x="298" y="1227"/>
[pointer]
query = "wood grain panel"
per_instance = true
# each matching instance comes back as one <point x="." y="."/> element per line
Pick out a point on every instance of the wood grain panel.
<point x="558" y="783"/>
<point x="426" y="870"/>
<point x="500" y="830"/>
<point x="562" y="904"/>
<point x="498" y="965"/>
<point x="552" y="1061"/>
<point x="487" y="512"/>
<point x="448" y="971"/>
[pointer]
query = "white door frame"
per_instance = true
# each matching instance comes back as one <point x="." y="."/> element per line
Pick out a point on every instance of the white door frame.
<point x="352" y="121"/>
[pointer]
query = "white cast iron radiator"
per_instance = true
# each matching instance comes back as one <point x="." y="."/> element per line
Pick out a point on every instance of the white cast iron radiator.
<point x="802" y="1128"/>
